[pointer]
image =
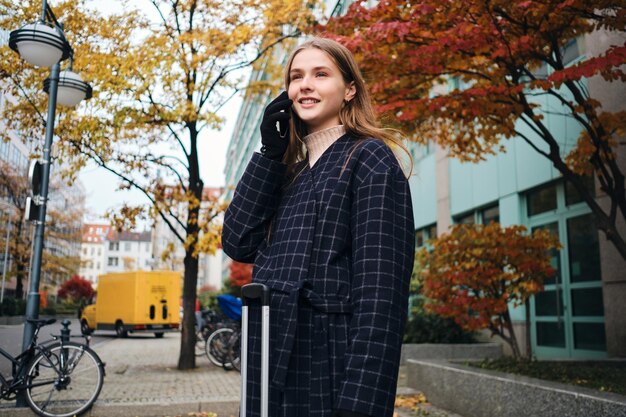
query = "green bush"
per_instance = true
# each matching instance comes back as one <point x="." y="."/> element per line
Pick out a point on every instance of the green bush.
<point x="65" y="308"/>
<point x="49" y="311"/>
<point x="7" y="308"/>
<point x="430" y="328"/>
<point x="13" y="307"/>
<point x="208" y="300"/>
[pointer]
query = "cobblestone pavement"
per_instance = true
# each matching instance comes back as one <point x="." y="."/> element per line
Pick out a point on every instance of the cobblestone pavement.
<point x="143" y="370"/>
<point x="142" y="380"/>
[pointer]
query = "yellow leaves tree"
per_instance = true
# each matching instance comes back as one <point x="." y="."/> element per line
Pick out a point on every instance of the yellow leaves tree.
<point x="474" y="272"/>
<point x="159" y="80"/>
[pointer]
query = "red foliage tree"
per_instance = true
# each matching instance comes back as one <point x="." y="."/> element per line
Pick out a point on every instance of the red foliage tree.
<point x="240" y="273"/>
<point x="468" y="74"/>
<point x="474" y="272"/>
<point x="76" y="289"/>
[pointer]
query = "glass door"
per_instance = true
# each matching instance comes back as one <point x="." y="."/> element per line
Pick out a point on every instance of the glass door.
<point x="550" y="324"/>
<point x="567" y="318"/>
<point x="585" y="287"/>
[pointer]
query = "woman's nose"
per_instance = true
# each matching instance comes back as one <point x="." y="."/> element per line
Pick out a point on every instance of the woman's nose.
<point x="305" y="83"/>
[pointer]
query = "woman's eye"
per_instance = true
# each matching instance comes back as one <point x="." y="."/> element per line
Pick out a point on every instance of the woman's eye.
<point x="296" y="77"/>
<point x="321" y="74"/>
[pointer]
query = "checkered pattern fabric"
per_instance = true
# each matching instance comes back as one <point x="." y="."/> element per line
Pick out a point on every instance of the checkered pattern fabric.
<point x="338" y="259"/>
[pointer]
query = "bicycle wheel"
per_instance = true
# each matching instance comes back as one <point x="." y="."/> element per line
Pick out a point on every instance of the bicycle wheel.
<point x="217" y="346"/>
<point x="64" y="381"/>
<point x="201" y="339"/>
<point x="234" y="351"/>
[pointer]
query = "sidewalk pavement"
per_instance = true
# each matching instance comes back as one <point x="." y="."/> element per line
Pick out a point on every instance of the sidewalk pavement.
<point x="142" y="380"/>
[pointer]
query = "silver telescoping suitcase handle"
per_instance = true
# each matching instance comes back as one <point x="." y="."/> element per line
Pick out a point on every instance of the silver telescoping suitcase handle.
<point x="252" y="292"/>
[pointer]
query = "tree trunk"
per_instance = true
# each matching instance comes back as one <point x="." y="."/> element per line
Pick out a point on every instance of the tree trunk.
<point x="529" y="347"/>
<point x="19" y="281"/>
<point x="512" y="339"/>
<point x="187" y="358"/>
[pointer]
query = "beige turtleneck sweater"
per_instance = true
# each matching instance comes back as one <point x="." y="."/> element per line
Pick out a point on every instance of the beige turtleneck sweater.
<point x="317" y="143"/>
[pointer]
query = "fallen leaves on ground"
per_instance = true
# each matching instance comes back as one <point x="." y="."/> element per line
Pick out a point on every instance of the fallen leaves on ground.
<point x="410" y="401"/>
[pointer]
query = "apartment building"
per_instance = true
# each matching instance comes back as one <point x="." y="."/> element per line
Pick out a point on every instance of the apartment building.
<point x="92" y="253"/>
<point x="104" y="250"/>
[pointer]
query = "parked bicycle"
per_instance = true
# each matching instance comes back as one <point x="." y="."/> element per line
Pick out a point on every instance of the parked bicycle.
<point x="59" y="378"/>
<point x="222" y="345"/>
<point x="210" y="322"/>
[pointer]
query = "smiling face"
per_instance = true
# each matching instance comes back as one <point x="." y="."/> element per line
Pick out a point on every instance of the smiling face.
<point x="317" y="89"/>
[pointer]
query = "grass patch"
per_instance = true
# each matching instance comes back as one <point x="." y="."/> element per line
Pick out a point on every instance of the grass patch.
<point x="606" y="376"/>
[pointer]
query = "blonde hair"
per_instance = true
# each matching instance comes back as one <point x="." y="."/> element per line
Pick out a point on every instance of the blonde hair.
<point x="357" y="115"/>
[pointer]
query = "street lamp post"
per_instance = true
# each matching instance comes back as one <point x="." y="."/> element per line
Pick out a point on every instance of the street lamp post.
<point x="44" y="44"/>
<point x="32" y="302"/>
<point x="6" y="258"/>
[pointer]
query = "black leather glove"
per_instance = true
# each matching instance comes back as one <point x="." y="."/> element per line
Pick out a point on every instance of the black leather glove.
<point x="275" y="127"/>
<point x="344" y="413"/>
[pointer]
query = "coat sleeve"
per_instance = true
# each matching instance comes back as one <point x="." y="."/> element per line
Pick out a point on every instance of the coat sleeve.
<point x="254" y="203"/>
<point x="383" y="247"/>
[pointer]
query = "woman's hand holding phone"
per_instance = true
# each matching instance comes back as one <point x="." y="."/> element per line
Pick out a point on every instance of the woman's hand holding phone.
<point x="275" y="127"/>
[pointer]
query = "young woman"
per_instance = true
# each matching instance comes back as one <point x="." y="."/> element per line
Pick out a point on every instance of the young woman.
<point x="324" y="213"/>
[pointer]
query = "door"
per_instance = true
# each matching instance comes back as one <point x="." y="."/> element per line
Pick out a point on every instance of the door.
<point x="568" y="316"/>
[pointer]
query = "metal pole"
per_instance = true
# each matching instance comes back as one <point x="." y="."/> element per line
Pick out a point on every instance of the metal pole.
<point x="44" y="6"/>
<point x="6" y="258"/>
<point x="32" y="302"/>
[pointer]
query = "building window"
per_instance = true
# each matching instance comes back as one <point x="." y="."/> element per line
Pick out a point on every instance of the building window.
<point x="490" y="215"/>
<point x="466" y="219"/>
<point x="424" y="234"/>
<point x="127" y="246"/>
<point x="542" y="200"/>
<point x="572" y="196"/>
<point x="583" y="247"/>
<point x="484" y="215"/>
<point x="147" y="247"/>
<point x="114" y="246"/>
<point x="112" y="261"/>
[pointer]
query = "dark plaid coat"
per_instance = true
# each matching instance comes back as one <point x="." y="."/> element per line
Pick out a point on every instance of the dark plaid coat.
<point x="338" y="258"/>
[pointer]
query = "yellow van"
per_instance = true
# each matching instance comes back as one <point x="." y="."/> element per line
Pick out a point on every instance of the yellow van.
<point x="129" y="302"/>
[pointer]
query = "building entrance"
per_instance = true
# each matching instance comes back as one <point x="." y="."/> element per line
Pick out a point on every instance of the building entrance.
<point x="567" y="318"/>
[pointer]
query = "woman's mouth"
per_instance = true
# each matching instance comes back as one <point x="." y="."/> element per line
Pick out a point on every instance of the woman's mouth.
<point x="308" y="102"/>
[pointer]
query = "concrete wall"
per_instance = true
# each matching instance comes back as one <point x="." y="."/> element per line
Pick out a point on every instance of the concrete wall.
<point x="475" y="392"/>
<point x="613" y="99"/>
<point x="453" y="351"/>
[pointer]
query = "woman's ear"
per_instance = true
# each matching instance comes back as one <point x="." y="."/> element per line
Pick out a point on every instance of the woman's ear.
<point x="350" y="92"/>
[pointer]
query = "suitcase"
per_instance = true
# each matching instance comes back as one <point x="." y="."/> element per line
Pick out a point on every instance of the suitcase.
<point x="251" y="292"/>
